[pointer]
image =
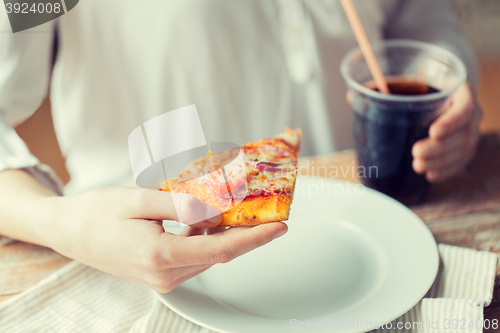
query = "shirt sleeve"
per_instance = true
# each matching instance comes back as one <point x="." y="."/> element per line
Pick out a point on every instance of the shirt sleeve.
<point x="25" y="61"/>
<point x="432" y="21"/>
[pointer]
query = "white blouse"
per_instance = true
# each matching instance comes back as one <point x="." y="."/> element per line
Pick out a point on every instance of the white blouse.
<point x="251" y="67"/>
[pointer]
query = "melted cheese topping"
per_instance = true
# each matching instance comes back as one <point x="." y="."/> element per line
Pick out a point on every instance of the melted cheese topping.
<point x="277" y="181"/>
<point x="244" y="174"/>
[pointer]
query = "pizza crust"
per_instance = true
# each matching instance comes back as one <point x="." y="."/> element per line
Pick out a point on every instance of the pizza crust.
<point x="259" y="209"/>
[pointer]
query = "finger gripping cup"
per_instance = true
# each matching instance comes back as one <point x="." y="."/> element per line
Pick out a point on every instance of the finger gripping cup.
<point x="421" y="78"/>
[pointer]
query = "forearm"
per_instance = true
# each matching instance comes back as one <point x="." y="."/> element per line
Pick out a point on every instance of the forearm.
<point x="27" y="208"/>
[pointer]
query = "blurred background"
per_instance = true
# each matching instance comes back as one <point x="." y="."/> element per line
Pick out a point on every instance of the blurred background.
<point x="481" y="23"/>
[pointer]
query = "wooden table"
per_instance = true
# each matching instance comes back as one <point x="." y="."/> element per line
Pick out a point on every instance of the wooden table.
<point x="464" y="211"/>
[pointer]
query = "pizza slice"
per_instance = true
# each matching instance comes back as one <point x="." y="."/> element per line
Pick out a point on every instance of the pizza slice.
<point x="249" y="185"/>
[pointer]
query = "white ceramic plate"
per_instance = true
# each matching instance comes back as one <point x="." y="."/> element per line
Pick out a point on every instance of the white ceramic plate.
<point x="352" y="257"/>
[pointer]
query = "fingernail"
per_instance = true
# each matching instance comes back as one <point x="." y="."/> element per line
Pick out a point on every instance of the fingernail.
<point x="280" y="233"/>
<point x="213" y="215"/>
<point x="215" y="219"/>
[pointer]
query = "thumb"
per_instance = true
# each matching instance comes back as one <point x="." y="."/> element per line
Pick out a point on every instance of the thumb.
<point x="182" y="207"/>
<point x="194" y="212"/>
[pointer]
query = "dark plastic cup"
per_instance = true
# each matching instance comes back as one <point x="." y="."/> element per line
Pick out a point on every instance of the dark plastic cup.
<point x="386" y="126"/>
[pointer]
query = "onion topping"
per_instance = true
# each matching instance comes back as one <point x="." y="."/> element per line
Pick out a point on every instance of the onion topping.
<point x="267" y="166"/>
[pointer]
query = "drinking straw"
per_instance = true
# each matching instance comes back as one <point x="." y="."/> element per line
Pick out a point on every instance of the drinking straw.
<point x="364" y="45"/>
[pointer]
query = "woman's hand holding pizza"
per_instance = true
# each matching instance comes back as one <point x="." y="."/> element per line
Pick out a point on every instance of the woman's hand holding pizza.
<point x="119" y="230"/>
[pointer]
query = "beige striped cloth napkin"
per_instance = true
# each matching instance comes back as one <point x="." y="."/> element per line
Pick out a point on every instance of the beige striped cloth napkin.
<point x="77" y="298"/>
<point x="463" y="287"/>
